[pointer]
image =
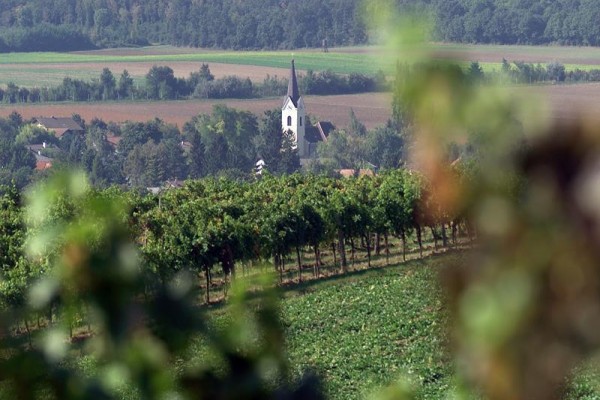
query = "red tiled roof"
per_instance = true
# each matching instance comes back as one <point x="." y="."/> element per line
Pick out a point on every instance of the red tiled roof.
<point x="113" y="139"/>
<point x="42" y="165"/>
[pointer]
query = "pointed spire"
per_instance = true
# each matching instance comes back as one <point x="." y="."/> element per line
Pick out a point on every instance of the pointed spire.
<point x="293" y="91"/>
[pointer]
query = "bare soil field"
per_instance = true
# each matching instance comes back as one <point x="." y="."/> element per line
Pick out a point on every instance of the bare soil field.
<point x="568" y="102"/>
<point x="584" y="56"/>
<point x="36" y="75"/>
<point x="372" y="109"/>
<point x="528" y="54"/>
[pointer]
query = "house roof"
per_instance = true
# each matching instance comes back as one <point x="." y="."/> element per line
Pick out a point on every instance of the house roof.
<point x="42" y="165"/>
<point x="59" y="126"/>
<point x="175" y="183"/>
<point x="59" y="123"/>
<point x="312" y="135"/>
<point x="38" y="147"/>
<point x="349" y="173"/>
<point x="39" y="157"/>
<point x="293" y="92"/>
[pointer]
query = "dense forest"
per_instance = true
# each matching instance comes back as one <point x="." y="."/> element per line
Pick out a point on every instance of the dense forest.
<point x="571" y="22"/>
<point x="36" y="25"/>
<point x="224" y="24"/>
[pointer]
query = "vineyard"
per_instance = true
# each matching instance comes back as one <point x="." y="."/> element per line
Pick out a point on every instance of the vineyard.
<point x="306" y="226"/>
<point x="210" y="233"/>
<point x="345" y="315"/>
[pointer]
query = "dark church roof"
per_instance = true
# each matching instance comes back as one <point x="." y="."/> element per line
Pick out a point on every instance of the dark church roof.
<point x="325" y="127"/>
<point x="312" y="135"/>
<point x="293" y="91"/>
<point x="319" y="132"/>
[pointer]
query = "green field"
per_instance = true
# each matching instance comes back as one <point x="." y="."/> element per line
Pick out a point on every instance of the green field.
<point x="366" y="330"/>
<point x="43" y="69"/>
<point x="337" y="62"/>
<point x="46" y="69"/>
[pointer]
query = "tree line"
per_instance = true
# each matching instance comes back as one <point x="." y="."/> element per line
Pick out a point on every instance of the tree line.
<point x="527" y="73"/>
<point x="61" y="25"/>
<point x="567" y="22"/>
<point x="160" y="83"/>
<point x="226" y="142"/>
<point x="252" y="24"/>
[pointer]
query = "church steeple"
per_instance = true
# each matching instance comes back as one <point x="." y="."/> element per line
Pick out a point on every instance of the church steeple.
<point x="293" y="91"/>
<point x="293" y="114"/>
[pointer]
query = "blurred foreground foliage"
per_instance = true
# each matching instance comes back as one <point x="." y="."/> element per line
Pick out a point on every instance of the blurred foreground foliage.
<point x="527" y="307"/>
<point x="80" y="239"/>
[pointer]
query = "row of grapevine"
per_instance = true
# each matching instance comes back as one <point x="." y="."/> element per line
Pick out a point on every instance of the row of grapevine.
<point x="215" y="225"/>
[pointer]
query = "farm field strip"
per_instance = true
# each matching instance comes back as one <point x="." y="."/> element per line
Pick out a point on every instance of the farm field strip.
<point x="372" y="109"/>
<point x="337" y="62"/>
<point x="44" y="69"/>
<point x="364" y="330"/>
<point x="40" y="75"/>
<point x="485" y="53"/>
<point x="45" y="75"/>
<point x="497" y="66"/>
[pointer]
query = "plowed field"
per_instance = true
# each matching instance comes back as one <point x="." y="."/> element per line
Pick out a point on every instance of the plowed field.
<point x="36" y="75"/>
<point x="373" y="109"/>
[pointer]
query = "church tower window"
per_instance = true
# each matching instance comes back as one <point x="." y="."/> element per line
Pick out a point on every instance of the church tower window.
<point x="289" y="121"/>
<point x="300" y="121"/>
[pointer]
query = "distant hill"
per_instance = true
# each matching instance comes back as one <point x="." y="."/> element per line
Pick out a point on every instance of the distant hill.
<point x="40" y="25"/>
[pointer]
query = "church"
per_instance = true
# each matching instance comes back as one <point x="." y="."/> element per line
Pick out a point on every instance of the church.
<point x="293" y="118"/>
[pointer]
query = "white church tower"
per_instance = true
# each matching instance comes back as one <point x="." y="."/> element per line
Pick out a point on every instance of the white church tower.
<point x="293" y="116"/>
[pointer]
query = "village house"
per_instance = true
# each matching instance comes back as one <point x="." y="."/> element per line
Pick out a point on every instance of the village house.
<point x="42" y="160"/>
<point x="60" y="126"/>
